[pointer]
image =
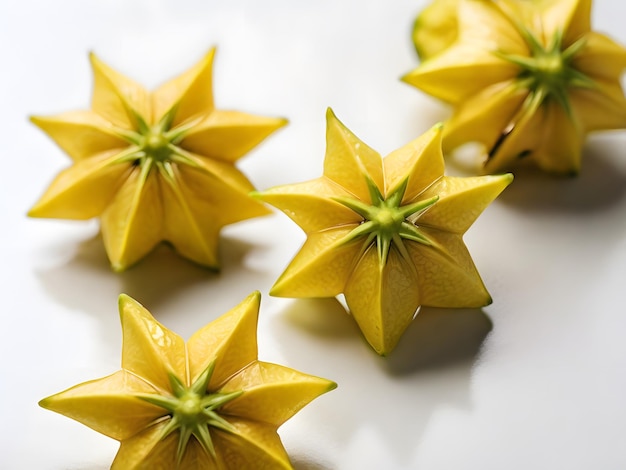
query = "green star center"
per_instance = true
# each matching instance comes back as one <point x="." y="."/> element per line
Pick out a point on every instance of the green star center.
<point x="193" y="411"/>
<point x="156" y="145"/>
<point x="386" y="221"/>
<point x="548" y="71"/>
<point x="189" y="409"/>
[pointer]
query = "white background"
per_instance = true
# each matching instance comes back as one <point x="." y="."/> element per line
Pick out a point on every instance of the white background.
<point x="536" y="380"/>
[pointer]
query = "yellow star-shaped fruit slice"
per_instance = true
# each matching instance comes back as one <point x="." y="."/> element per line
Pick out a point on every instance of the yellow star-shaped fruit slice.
<point x="206" y="404"/>
<point x="154" y="166"/>
<point x="435" y="28"/>
<point x="387" y="233"/>
<point x="528" y="80"/>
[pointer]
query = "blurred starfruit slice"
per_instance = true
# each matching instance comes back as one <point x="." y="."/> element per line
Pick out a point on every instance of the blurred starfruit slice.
<point x="528" y="80"/>
<point x="387" y="233"/>
<point x="154" y="166"/>
<point x="435" y="28"/>
<point x="206" y="404"/>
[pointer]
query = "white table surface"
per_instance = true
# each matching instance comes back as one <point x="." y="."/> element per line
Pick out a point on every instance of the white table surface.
<point x="537" y="380"/>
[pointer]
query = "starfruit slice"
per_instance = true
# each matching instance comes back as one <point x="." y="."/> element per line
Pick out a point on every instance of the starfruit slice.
<point x="435" y="28"/>
<point x="155" y="166"/>
<point x="387" y="233"/>
<point x="206" y="404"/>
<point x="529" y="80"/>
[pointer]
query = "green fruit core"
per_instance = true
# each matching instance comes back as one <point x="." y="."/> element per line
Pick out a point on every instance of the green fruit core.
<point x="189" y="408"/>
<point x="156" y="145"/>
<point x="548" y="72"/>
<point x="193" y="411"/>
<point x="386" y="221"/>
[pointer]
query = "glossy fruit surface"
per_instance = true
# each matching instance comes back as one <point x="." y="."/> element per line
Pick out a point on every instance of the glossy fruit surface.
<point x="387" y="233"/>
<point x="205" y="404"/>
<point x="154" y="166"/>
<point x="528" y="80"/>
